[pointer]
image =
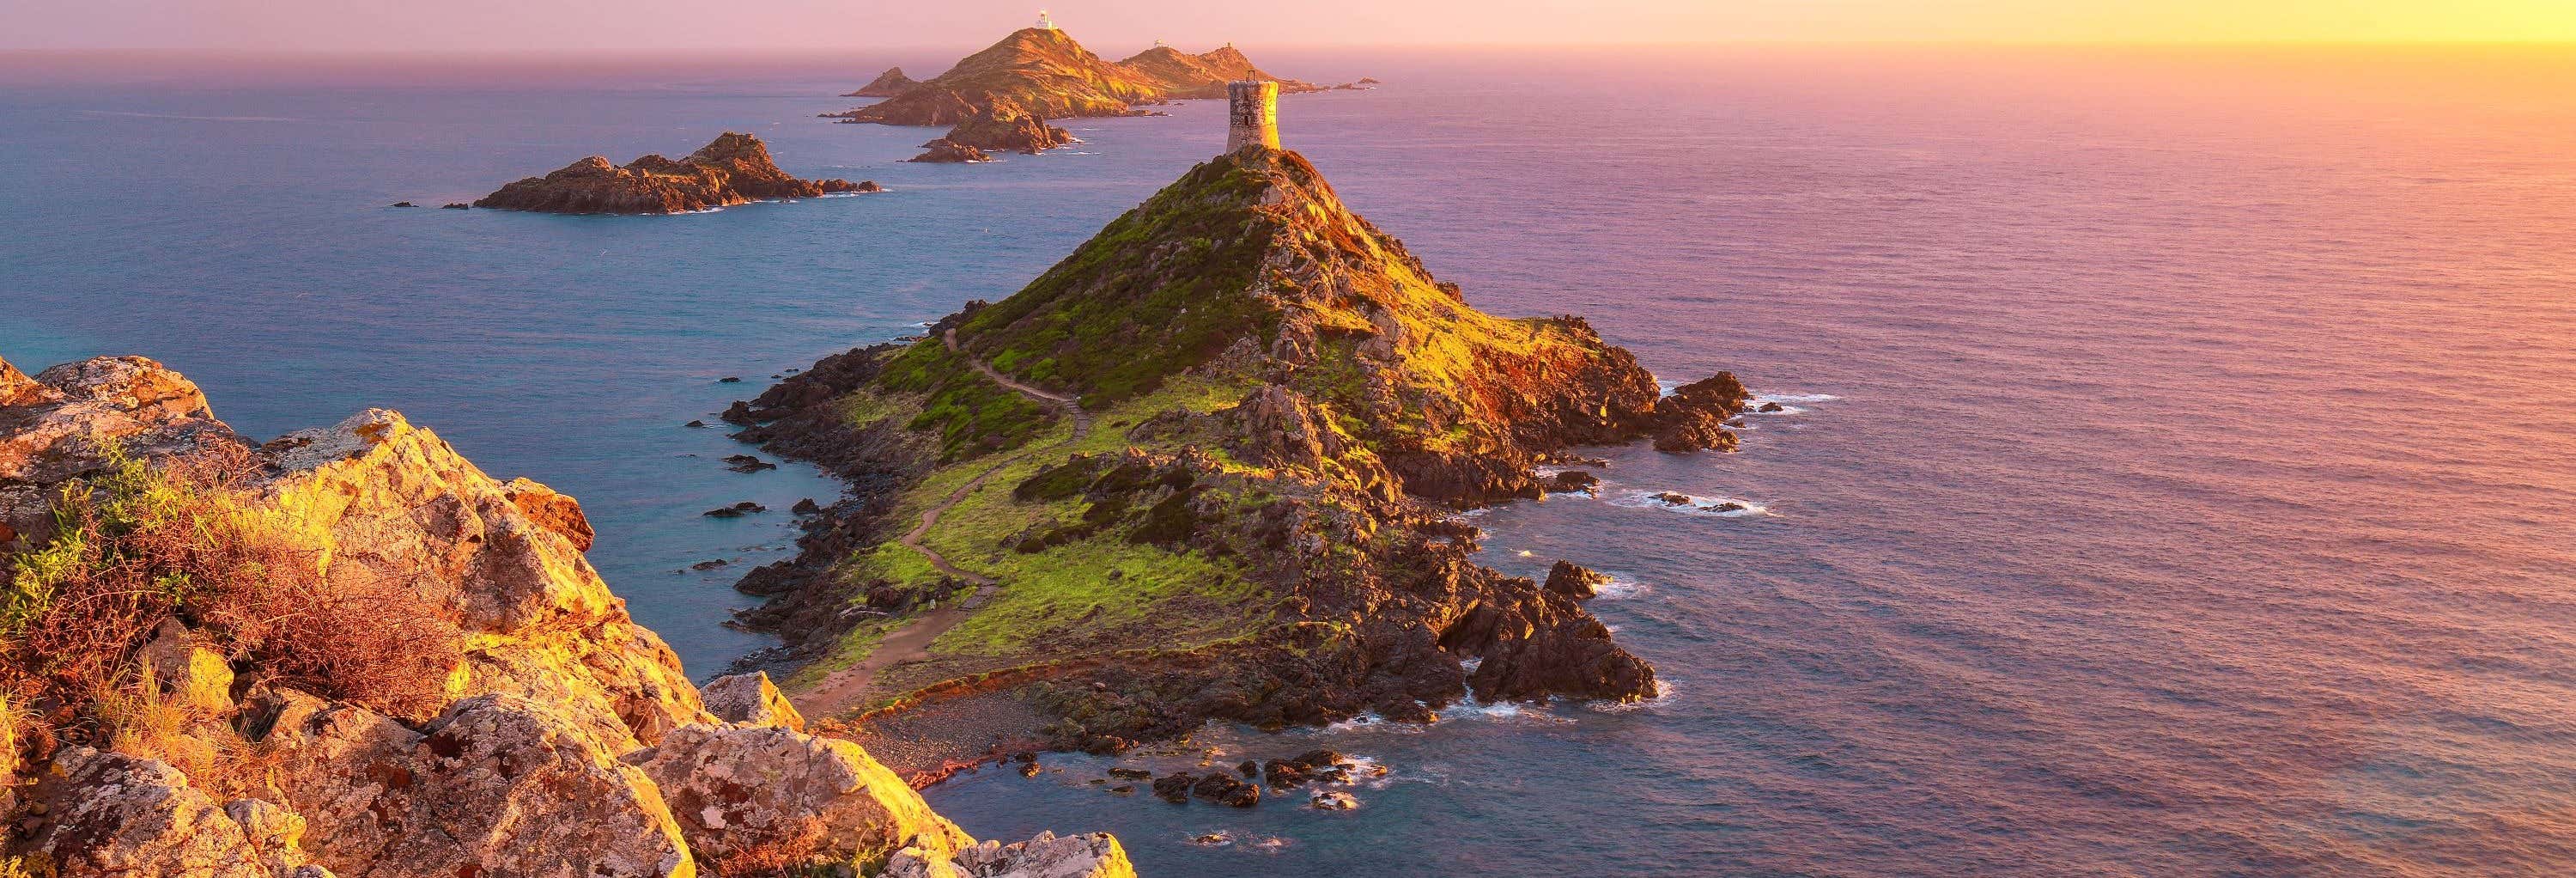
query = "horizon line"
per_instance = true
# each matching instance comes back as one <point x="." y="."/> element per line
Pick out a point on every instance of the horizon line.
<point x="809" y="51"/>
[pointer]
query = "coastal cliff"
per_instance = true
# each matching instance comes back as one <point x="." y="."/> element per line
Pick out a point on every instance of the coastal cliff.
<point x="1203" y="468"/>
<point x="1044" y="74"/>
<point x="732" y="169"/>
<point x="349" y="651"/>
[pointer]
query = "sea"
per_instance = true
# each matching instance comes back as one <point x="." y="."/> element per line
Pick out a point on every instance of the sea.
<point x="2175" y="471"/>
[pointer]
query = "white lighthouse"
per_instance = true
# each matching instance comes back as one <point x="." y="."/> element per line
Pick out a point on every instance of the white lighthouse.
<point x="1045" y="23"/>
<point x="1252" y="114"/>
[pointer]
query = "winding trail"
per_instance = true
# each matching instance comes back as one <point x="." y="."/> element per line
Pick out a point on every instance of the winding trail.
<point x="850" y="686"/>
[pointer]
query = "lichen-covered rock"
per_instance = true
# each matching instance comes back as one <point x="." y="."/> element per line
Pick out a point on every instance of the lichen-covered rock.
<point x="750" y="699"/>
<point x="399" y="503"/>
<point x="732" y="169"/>
<point x="1096" y="855"/>
<point x="737" y="787"/>
<point x="16" y="389"/>
<point x="112" y="816"/>
<point x="276" y="835"/>
<point x="497" y="783"/>
<point x="555" y="512"/>
<point x="64" y="422"/>
<point x="188" y="670"/>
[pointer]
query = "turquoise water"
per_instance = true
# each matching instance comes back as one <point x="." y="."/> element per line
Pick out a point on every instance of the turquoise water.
<point x="2192" y="496"/>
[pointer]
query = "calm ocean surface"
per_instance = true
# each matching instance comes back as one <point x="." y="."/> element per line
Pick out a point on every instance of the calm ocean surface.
<point x="2180" y="477"/>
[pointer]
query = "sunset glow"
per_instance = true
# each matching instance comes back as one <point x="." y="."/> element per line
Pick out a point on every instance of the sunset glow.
<point x="386" y="25"/>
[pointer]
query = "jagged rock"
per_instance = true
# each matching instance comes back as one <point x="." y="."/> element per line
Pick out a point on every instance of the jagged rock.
<point x="886" y="85"/>
<point x="732" y="169"/>
<point x="734" y="787"/>
<point x="1175" y="787"/>
<point x="62" y="423"/>
<point x="1225" y="789"/>
<point x="397" y="503"/>
<point x="750" y="699"/>
<point x="946" y="151"/>
<point x="16" y="389"/>
<point x="550" y="510"/>
<point x="112" y="816"/>
<point x="188" y="670"/>
<point x="1575" y="581"/>
<point x="1570" y="481"/>
<point x="275" y="835"/>
<point x="1096" y="855"/>
<point x="1771" y="407"/>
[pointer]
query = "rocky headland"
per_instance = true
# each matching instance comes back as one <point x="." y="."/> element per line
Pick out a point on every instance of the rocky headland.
<point x="886" y="85"/>
<point x="1206" y="467"/>
<point x="349" y="651"/>
<point x="732" y="169"/>
<point x="1044" y="74"/>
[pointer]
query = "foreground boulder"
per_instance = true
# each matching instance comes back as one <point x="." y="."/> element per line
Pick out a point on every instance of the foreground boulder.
<point x="112" y="815"/>
<point x="534" y="729"/>
<point x="1096" y="855"/>
<point x="750" y="699"/>
<point x="732" y="169"/>
<point x="738" y="788"/>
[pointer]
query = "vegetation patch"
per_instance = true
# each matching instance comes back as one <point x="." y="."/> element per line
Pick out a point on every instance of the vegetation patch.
<point x="969" y="413"/>
<point x="1163" y="288"/>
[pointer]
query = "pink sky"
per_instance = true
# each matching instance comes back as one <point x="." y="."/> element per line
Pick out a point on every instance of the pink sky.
<point x="808" y="25"/>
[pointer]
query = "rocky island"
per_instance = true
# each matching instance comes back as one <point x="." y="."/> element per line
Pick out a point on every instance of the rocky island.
<point x="1206" y="467"/>
<point x="349" y="651"/>
<point x="999" y="98"/>
<point x="732" y="169"/>
<point x="886" y="85"/>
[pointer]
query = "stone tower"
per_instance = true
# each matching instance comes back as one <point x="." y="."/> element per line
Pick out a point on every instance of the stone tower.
<point x="1253" y="114"/>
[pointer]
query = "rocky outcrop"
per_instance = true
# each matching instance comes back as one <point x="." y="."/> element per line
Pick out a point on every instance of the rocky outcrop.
<point x="1008" y="130"/>
<point x="945" y="151"/>
<point x="750" y="699"/>
<point x="738" y="788"/>
<point x="111" y="816"/>
<point x="886" y="85"/>
<point x="1044" y="74"/>
<point x="1097" y="855"/>
<point x="558" y="738"/>
<point x="732" y="169"/>
<point x="1575" y="581"/>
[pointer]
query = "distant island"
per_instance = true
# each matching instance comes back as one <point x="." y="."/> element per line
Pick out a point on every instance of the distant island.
<point x="1204" y="468"/>
<point x="886" y="85"/>
<point x="732" y="169"/>
<point x="1040" y="73"/>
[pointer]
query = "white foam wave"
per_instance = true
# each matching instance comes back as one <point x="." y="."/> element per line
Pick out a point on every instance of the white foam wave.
<point x="1663" y="695"/>
<point x="1620" y="587"/>
<point x="1710" y="507"/>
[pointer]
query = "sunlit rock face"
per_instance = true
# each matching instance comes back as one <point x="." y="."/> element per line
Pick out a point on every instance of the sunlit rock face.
<point x="564" y="740"/>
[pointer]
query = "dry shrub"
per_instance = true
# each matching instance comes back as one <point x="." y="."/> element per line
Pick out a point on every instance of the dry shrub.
<point x="794" y="854"/>
<point x="141" y="544"/>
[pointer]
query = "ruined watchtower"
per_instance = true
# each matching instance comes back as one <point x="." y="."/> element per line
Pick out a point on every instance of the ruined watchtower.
<point x="1252" y="117"/>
